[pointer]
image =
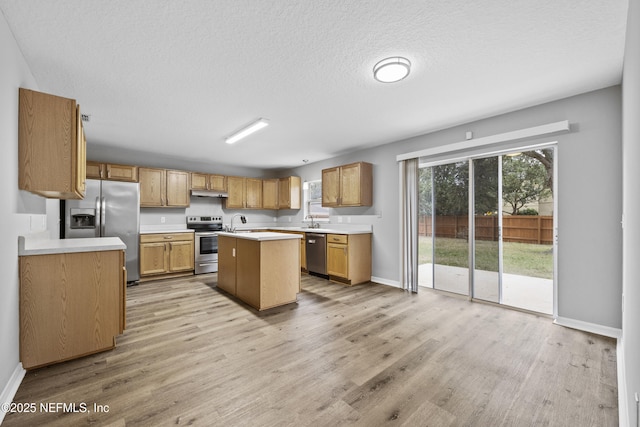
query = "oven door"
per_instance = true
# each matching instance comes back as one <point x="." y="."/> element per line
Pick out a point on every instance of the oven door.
<point x="206" y="252"/>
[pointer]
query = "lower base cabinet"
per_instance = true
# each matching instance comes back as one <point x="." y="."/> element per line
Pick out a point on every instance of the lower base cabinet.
<point x="164" y="255"/>
<point x="71" y="305"/>
<point x="349" y="258"/>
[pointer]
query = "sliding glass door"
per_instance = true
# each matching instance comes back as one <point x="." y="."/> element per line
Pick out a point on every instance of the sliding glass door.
<point x="486" y="235"/>
<point x="486" y="228"/>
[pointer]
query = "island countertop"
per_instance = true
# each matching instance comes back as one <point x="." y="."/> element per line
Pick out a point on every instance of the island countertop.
<point x="28" y="246"/>
<point x="260" y="235"/>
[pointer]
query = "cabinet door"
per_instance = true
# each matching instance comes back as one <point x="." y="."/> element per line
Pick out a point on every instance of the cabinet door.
<point x="350" y="185"/>
<point x="227" y="264"/>
<point x="153" y="259"/>
<point x="51" y="146"/>
<point x="122" y="172"/>
<point x="236" y="187"/>
<point x="330" y="187"/>
<point x="180" y="256"/>
<point x="337" y="260"/>
<point x="290" y="193"/>
<point x="356" y="184"/>
<point x="95" y="170"/>
<point x="218" y="182"/>
<point x="199" y="181"/>
<point x="254" y="193"/>
<point x="270" y="193"/>
<point x="177" y="188"/>
<point x="152" y="187"/>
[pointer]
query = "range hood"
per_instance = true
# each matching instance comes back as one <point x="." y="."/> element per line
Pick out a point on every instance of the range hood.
<point x="209" y="193"/>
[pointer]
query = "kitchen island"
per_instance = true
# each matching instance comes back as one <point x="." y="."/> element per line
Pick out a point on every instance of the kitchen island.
<point x="72" y="297"/>
<point x="260" y="268"/>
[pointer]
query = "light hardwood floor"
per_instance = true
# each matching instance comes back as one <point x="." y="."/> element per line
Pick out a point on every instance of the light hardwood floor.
<point x="366" y="355"/>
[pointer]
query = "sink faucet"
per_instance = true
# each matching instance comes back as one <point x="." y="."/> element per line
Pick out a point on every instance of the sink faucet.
<point x="242" y="218"/>
<point x="313" y="225"/>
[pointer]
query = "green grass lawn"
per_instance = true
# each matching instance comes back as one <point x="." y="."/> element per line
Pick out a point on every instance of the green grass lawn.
<point x="519" y="258"/>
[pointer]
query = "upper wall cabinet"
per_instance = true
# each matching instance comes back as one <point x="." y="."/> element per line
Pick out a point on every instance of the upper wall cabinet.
<point x="164" y="188"/>
<point x="52" y="146"/>
<point x="244" y="193"/>
<point x="112" y="172"/>
<point x="348" y="185"/>
<point x="205" y="181"/>
<point x="289" y="193"/>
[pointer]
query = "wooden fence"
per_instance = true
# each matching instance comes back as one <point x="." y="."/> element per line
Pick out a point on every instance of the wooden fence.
<point x="518" y="228"/>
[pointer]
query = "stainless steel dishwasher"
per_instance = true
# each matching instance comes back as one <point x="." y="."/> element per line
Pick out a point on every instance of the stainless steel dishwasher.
<point x="316" y="253"/>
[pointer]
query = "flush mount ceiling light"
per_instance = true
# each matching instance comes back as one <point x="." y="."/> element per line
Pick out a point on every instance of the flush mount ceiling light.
<point x="392" y="69"/>
<point x="247" y="130"/>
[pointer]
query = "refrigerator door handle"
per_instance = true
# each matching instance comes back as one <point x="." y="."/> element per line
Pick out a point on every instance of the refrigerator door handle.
<point x="99" y="217"/>
<point x="103" y="216"/>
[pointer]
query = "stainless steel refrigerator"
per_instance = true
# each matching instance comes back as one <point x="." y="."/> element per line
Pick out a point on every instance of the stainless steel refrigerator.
<point x="109" y="209"/>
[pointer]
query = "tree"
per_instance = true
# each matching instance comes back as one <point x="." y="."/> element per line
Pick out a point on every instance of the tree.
<point x="545" y="157"/>
<point x="524" y="180"/>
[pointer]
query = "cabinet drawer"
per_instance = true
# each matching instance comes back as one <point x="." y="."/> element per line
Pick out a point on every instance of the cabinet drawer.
<point x="337" y="238"/>
<point x="165" y="237"/>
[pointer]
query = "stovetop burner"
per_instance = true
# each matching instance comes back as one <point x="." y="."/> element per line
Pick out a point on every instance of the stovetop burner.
<point x="204" y="223"/>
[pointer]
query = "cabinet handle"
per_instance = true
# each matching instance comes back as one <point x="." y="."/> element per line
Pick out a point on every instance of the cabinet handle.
<point x="108" y="172"/>
<point x="168" y="237"/>
<point x="335" y="239"/>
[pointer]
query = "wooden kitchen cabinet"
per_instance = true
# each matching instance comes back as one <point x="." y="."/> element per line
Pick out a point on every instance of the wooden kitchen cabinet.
<point x="164" y="188"/>
<point x="52" y="146"/>
<point x="253" y="199"/>
<point x="289" y="193"/>
<point x="112" y="171"/>
<point x="71" y="305"/>
<point x="204" y="181"/>
<point x="262" y="273"/>
<point x="348" y="185"/>
<point x="270" y="193"/>
<point x="244" y="193"/>
<point x="349" y="258"/>
<point x="166" y="255"/>
<point x="236" y="190"/>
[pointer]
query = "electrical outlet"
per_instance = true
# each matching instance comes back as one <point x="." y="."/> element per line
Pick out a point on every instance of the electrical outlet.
<point x="162" y="220"/>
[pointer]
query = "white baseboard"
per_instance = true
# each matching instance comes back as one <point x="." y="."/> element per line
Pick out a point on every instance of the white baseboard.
<point x="387" y="282"/>
<point x="9" y="391"/>
<point x="594" y="328"/>
<point x="623" y="407"/>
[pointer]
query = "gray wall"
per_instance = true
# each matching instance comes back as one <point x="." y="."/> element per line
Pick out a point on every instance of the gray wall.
<point x="631" y="207"/>
<point x="589" y="206"/>
<point x="20" y="212"/>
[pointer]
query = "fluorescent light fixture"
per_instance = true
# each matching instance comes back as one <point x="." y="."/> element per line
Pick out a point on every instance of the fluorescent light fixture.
<point x="247" y="130"/>
<point x="392" y="69"/>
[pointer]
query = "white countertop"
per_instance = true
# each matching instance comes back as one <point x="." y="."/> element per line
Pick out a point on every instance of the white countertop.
<point x="153" y="229"/>
<point x="260" y="235"/>
<point x="323" y="230"/>
<point x="29" y="246"/>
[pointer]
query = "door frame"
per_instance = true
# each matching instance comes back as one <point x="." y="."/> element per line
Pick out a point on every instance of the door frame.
<point x="471" y="225"/>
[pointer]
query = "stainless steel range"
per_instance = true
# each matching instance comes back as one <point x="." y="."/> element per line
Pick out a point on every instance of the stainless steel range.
<point x="206" y="241"/>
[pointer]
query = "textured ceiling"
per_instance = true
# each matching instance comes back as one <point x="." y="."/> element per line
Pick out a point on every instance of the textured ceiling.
<point x="176" y="77"/>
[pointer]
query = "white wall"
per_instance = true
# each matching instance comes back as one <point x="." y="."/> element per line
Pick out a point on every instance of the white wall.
<point x="589" y="156"/>
<point x="20" y="212"/>
<point x="631" y="207"/>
